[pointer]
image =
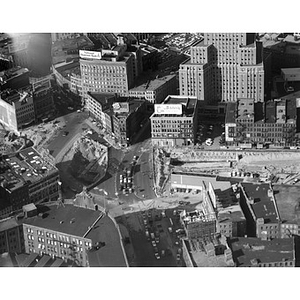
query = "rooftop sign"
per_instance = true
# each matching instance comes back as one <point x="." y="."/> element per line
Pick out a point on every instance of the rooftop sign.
<point x="89" y="54"/>
<point x="168" y="109"/>
<point x="120" y="107"/>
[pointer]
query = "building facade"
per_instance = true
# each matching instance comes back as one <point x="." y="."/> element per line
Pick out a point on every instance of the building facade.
<point x="174" y="122"/>
<point x="273" y="122"/>
<point x="17" y="108"/>
<point x="260" y="209"/>
<point x="108" y="71"/>
<point x="155" y="91"/>
<point x="224" y="67"/>
<point x="120" y="116"/>
<point x="42" y="98"/>
<point x="11" y="236"/>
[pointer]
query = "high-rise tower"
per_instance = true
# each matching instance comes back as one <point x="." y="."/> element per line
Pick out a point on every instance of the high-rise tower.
<point x="224" y="67"/>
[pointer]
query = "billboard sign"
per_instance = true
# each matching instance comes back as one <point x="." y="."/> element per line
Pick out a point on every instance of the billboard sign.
<point x="121" y="107"/>
<point x="89" y="54"/>
<point x="168" y="109"/>
<point x="41" y="84"/>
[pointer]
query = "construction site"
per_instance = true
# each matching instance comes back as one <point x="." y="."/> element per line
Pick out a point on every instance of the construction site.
<point x="254" y="166"/>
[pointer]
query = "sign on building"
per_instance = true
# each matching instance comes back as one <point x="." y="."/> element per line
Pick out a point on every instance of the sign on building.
<point x="120" y="107"/>
<point x="41" y="84"/>
<point x="89" y="54"/>
<point x="168" y="109"/>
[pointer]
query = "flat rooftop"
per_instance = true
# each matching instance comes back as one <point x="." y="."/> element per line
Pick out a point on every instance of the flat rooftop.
<point x="233" y="213"/>
<point x="12" y="73"/>
<point x="288" y="203"/>
<point x="25" y="167"/>
<point x="194" y="180"/>
<point x="67" y="219"/>
<point x="263" y="206"/>
<point x="153" y="84"/>
<point x="291" y="71"/>
<point x="188" y="106"/>
<point x="246" y="249"/>
<point x="102" y="98"/>
<point x="8" y="224"/>
<point x="230" y="112"/>
<point x="245" y="108"/>
<point x="67" y="69"/>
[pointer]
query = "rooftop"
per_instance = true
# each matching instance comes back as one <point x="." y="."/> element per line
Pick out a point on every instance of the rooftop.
<point x="288" y="204"/>
<point x="67" y="219"/>
<point x="245" y="250"/>
<point x="291" y="71"/>
<point x="195" y="217"/>
<point x="12" y="73"/>
<point x="8" y="224"/>
<point x="263" y="206"/>
<point x="153" y="84"/>
<point x="188" y="106"/>
<point x="245" y="108"/>
<point x="198" y="253"/>
<point x="27" y="166"/>
<point x="69" y="48"/>
<point x="102" y="98"/>
<point x="230" y="112"/>
<point x="195" y="180"/>
<point x="233" y="213"/>
<point x="67" y="69"/>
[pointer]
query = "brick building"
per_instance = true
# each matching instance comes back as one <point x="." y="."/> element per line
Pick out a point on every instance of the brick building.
<point x="174" y="122"/>
<point x="260" y="209"/>
<point x="273" y="122"/>
<point x="120" y="116"/>
<point x="25" y="177"/>
<point x="155" y="91"/>
<point x="253" y="252"/>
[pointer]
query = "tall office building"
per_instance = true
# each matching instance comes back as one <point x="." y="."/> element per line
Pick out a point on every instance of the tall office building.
<point x="224" y="67"/>
<point x="108" y="71"/>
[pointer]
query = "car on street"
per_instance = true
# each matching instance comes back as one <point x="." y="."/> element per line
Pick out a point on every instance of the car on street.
<point x="153" y="243"/>
<point x="209" y="142"/>
<point x="157" y="256"/>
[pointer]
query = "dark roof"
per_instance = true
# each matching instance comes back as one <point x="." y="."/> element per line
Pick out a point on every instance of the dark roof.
<point x="246" y="249"/>
<point x="230" y="112"/>
<point x="66" y="219"/>
<point x="287" y="200"/>
<point x="270" y="115"/>
<point x="263" y="206"/>
<point x="102" y="98"/>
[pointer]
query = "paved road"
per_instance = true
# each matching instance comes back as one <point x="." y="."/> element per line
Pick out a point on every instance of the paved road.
<point x="118" y="161"/>
<point x="74" y="123"/>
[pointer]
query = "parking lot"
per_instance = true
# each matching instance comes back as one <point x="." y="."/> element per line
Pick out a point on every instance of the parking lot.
<point x="210" y="135"/>
<point x="155" y="237"/>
